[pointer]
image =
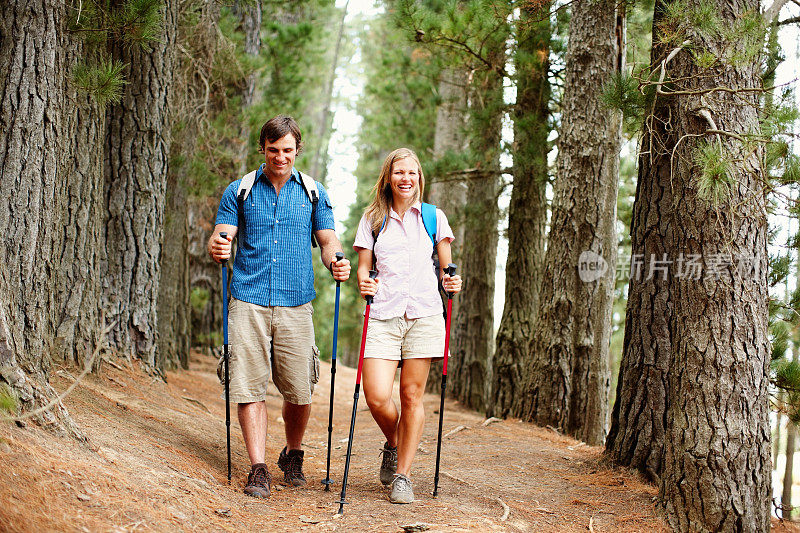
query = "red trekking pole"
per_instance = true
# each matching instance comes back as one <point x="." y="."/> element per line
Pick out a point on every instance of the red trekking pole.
<point x="450" y="271"/>
<point x="372" y="274"/>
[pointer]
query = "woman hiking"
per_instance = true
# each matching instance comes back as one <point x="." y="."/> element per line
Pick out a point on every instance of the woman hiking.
<point x="405" y="322"/>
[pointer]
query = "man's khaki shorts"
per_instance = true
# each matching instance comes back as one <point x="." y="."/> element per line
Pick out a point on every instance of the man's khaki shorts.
<point x="275" y="342"/>
<point x="403" y="338"/>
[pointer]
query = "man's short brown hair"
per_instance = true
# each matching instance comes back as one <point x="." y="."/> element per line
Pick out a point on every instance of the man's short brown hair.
<point x="276" y="128"/>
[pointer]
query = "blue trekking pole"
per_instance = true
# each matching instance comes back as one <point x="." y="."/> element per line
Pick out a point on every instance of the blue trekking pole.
<point x="450" y="271"/>
<point x="372" y="274"/>
<point x="224" y="235"/>
<point x="328" y="481"/>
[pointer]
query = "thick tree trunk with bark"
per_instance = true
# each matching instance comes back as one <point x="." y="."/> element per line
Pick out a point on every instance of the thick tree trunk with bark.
<point x="76" y="294"/>
<point x="174" y="307"/>
<point x="136" y="165"/>
<point x="715" y="470"/>
<point x="527" y="217"/>
<point x="32" y="87"/>
<point x="450" y="195"/>
<point x="569" y="375"/>
<point x="638" y="420"/>
<point x="473" y="326"/>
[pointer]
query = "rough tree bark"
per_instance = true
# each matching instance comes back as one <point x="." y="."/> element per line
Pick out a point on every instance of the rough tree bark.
<point x="715" y="466"/>
<point x="449" y="195"/>
<point x="136" y="164"/>
<point x="473" y="326"/>
<point x="638" y="420"/>
<point x="568" y="377"/>
<point x="76" y="293"/>
<point x="527" y="217"/>
<point x="32" y="85"/>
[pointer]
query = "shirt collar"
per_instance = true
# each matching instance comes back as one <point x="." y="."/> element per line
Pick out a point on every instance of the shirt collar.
<point x="295" y="173"/>
<point x="417" y="205"/>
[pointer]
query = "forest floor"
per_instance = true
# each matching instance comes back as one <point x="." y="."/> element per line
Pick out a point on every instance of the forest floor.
<point x="155" y="461"/>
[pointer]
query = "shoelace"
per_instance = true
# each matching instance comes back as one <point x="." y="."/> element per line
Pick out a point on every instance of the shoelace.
<point x="260" y="476"/>
<point x="388" y="455"/>
<point x="295" y="465"/>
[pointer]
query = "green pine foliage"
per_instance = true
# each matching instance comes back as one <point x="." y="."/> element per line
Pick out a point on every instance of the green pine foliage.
<point x="715" y="179"/>
<point x="104" y="80"/>
<point x="101" y="23"/>
<point x="9" y="402"/>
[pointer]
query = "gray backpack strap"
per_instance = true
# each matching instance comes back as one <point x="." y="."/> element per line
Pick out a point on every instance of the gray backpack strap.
<point x="310" y="187"/>
<point x="246" y="185"/>
<point x="241" y="195"/>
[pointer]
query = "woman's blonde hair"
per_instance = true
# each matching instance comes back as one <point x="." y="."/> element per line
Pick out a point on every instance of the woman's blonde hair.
<point x="379" y="208"/>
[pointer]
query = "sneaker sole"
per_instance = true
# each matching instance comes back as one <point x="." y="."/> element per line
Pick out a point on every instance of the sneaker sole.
<point x="256" y="493"/>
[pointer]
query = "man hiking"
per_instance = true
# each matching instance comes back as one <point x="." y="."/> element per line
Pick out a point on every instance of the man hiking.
<point x="277" y="214"/>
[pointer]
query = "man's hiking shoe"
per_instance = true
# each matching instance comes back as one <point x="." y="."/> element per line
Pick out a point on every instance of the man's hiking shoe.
<point x="388" y="463"/>
<point x="401" y="490"/>
<point x="258" y="481"/>
<point x="291" y="463"/>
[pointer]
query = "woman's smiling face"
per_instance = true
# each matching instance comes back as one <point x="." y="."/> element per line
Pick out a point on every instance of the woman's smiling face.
<point x="404" y="180"/>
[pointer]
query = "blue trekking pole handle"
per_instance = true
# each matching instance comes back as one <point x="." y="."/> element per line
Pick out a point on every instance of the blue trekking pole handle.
<point x="224" y="235"/>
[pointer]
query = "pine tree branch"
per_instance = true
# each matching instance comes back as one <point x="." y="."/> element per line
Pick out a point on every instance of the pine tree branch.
<point x="793" y="20"/>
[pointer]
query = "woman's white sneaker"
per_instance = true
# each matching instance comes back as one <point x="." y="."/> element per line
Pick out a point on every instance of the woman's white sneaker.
<point x="401" y="490"/>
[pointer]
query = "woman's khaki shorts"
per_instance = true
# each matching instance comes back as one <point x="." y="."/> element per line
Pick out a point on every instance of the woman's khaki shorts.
<point x="275" y="342"/>
<point x="403" y="338"/>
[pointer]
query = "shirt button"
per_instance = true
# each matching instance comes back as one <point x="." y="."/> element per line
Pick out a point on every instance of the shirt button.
<point x="276" y="242"/>
<point x="274" y="260"/>
<point x="273" y="203"/>
<point x="277" y="221"/>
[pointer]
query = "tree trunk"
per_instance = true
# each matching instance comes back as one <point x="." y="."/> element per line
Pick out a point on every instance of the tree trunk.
<point x="474" y="327"/>
<point x="527" y="218"/>
<point x="319" y="163"/>
<point x="449" y="195"/>
<point x="32" y="149"/>
<point x="715" y="473"/>
<point x="77" y="281"/>
<point x="786" y="496"/>
<point x="174" y="306"/>
<point x="569" y="374"/>
<point x="136" y="165"/>
<point x="638" y="420"/>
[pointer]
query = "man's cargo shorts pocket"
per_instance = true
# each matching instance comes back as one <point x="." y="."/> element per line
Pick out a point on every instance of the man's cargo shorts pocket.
<point x="314" y="364"/>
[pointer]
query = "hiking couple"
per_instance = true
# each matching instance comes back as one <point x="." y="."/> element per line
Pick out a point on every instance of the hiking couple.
<point x="270" y="325"/>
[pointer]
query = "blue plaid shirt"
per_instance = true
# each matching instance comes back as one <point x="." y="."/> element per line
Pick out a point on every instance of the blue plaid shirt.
<point x="273" y="259"/>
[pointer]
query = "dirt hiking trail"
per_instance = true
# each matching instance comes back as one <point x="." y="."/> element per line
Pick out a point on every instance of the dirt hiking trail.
<point x="155" y="461"/>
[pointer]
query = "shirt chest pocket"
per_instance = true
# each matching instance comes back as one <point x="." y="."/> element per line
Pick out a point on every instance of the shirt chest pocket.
<point x="300" y="221"/>
<point x="258" y="216"/>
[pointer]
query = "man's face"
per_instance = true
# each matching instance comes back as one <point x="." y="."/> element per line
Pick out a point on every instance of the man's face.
<point x="279" y="156"/>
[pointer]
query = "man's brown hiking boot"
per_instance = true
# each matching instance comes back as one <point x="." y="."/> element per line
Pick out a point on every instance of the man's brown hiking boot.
<point x="291" y="463"/>
<point x="258" y="482"/>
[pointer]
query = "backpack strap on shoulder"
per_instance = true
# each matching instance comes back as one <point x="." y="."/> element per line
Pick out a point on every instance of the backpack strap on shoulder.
<point x="374" y="239"/>
<point x="310" y="186"/>
<point x="429" y="221"/>
<point x="241" y="195"/>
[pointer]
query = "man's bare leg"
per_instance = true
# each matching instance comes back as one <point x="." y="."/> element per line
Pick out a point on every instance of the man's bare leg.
<point x="253" y="420"/>
<point x="295" y="420"/>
